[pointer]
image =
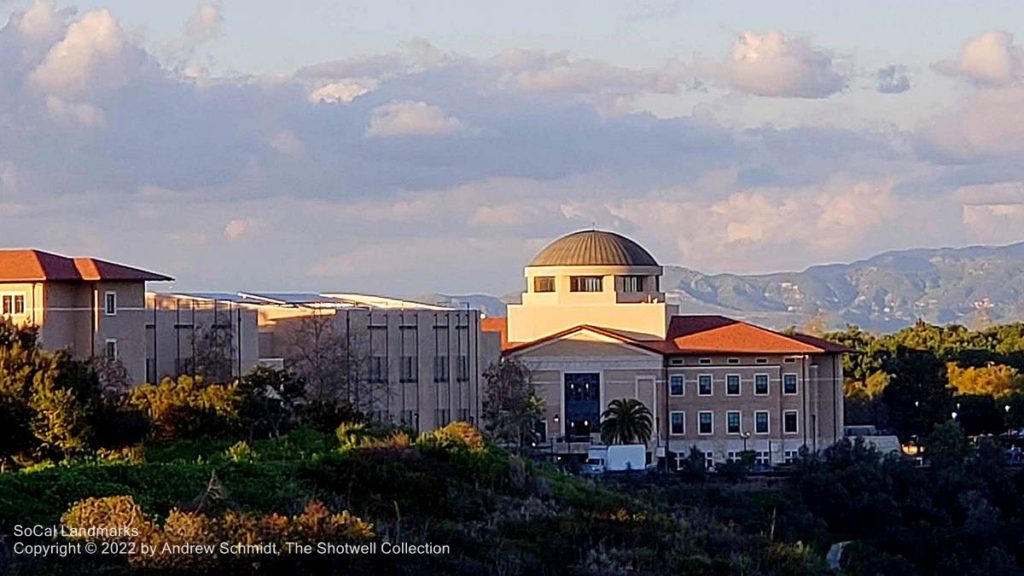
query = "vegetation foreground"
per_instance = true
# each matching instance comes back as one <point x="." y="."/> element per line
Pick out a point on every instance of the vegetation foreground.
<point x="161" y="476"/>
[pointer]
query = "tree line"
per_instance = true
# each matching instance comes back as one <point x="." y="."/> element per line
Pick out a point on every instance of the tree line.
<point x="925" y="374"/>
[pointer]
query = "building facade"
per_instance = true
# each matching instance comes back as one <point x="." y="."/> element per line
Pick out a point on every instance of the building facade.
<point x="89" y="307"/>
<point x="594" y="326"/>
<point x="404" y="362"/>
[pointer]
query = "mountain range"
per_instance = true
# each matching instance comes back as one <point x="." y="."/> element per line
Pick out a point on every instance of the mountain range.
<point x="975" y="286"/>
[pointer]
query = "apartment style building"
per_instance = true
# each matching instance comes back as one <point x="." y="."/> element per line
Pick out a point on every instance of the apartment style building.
<point x="409" y="362"/>
<point x="86" y="306"/>
<point x="594" y="326"/>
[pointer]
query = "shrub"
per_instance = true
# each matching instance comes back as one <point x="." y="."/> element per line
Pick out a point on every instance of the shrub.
<point x="188" y="407"/>
<point x="455" y="437"/>
<point x="105" y="519"/>
<point x="240" y="452"/>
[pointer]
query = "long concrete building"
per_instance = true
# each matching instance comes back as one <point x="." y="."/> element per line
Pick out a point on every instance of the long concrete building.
<point x="409" y="362"/>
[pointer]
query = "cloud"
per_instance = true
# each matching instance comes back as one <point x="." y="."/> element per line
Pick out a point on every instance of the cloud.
<point x="409" y="118"/>
<point x="772" y="65"/>
<point x="205" y="24"/>
<point x="344" y="92"/>
<point x="288" y="144"/>
<point x="993" y="213"/>
<point x="990" y="58"/>
<point x="120" y="153"/>
<point x="94" y="56"/>
<point x="240" y="228"/>
<point x="892" y="79"/>
<point x="986" y="123"/>
<point x="539" y="72"/>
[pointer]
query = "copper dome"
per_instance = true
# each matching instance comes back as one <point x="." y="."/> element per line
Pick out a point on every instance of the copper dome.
<point x="594" y="248"/>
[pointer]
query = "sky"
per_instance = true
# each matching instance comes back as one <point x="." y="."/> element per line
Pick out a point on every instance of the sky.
<point x="403" y="148"/>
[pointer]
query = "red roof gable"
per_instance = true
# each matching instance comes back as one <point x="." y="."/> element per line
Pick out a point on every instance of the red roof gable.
<point x="708" y="335"/>
<point x="654" y="346"/>
<point x="38" y="266"/>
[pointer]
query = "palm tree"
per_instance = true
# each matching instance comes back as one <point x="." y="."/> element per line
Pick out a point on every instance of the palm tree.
<point x="626" y="421"/>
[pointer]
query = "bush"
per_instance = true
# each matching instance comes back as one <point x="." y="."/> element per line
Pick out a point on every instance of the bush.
<point x="188" y="407"/>
<point x="453" y="438"/>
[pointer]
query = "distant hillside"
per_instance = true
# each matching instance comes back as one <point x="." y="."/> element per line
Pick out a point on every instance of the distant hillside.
<point x="974" y="286"/>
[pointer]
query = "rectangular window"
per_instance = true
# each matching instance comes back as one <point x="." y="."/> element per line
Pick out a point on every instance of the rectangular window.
<point x="706" y="423"/>
<point x="790" y="360"/>
<point x="378" y="369"/>
<point x="544" y="284"/>
<point x="761" y="422"/>
<point x="410" y="417"/>
<point x="632" y="283"/>
<point x="709" y="459"/>
<point x="732" y="385"/>
<point x="704" y="387"/>
<point x="760" y="360"/>
<point x="789" y="422"/>
<point x="676" y="385"/>
<point x="789" y="382"/>
<point x="704" y="361"/>
<point x="586" y="283"/>
<point x="462" y="375"/>
<point x="760" y="384"/>
<point x="732" y="361"/>
<point x="408" y="369"/>
<point x="440" y="368"/>
<point x="678" y="421"/>
<point x="111" y="349"/>
<point x="733" y="422"/>
<point x="13" y="304"/>
<point x="790" y="456"/>
<point x="110" y="303"/>
<point x="443" y="417"/>
<point x="763" y="459"/>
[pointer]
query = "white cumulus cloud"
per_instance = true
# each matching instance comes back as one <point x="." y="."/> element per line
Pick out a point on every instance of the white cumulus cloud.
<point x="990" y="58"/>
<point x="409" y="118"/>
<point x="206" y="23"/>
<point x="342" y="92"/>
<point x="771" y="64"/>
<point x="93" y="56"/>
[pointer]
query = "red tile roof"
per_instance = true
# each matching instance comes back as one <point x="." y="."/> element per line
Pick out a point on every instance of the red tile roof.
<point x="709" y="335"/>
<point x="38" y="266"/>
<point x="718" y="334"/>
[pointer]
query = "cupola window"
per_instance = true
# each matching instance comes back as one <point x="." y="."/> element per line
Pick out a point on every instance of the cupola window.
<point x="586" y="284"/>
<point x="544" y="284"/>
<point x="632" y="283"/>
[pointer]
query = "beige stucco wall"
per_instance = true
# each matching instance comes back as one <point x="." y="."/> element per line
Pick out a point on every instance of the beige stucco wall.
<point x="71" y="316"/>
<point x="173" y="324"/>
<point x="643" y="314"/>
<point x="628" y="373"/>
<point x="817" y="387"/>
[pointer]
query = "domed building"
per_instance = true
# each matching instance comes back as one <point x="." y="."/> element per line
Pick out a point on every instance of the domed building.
<point x="591" y="277"/>
<point x="594" y="326"/>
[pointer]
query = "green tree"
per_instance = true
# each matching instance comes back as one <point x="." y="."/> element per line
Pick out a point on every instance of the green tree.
<point x="511" y="407"/>
<point x="45" y="398"/>
<point x="269" y="399"/>
<point x="916" y="396"/>
<point x="626" y="421"/>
